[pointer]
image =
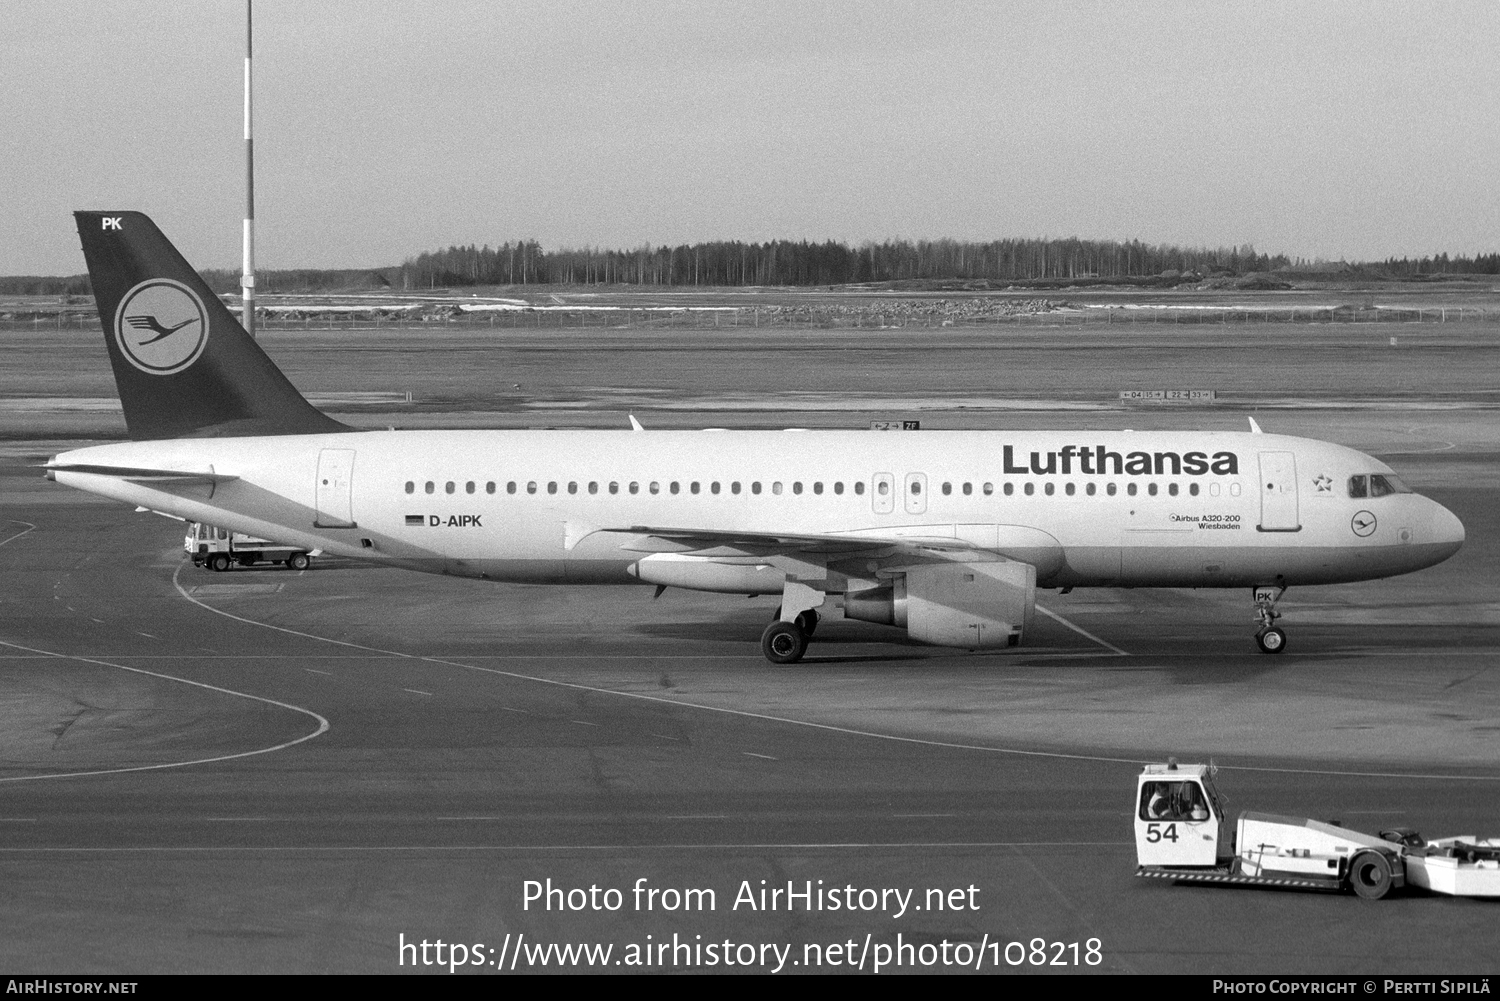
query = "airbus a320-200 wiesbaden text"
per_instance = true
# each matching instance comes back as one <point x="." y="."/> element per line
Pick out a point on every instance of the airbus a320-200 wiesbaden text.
<point x="945" y="534"/>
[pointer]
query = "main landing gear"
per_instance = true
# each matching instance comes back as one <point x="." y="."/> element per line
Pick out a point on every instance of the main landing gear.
<point x="1271" y="638"/>
<point x="785" y="639"/>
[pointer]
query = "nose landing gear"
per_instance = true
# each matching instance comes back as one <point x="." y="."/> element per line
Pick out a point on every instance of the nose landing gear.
<point x="1271" y="638"/>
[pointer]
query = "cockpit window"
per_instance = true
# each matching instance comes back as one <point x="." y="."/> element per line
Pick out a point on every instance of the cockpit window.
<point x="1377" y="485"/>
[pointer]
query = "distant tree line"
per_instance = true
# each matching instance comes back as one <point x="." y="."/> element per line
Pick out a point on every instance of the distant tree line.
<point x="1481" y="264"/>
<point x="787" y="262"/>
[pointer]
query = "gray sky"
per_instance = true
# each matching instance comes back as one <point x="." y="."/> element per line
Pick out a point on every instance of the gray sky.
<point x="1356" y="130"/>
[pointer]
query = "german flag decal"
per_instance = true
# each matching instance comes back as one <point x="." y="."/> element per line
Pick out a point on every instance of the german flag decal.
<point x="416" y="520"/>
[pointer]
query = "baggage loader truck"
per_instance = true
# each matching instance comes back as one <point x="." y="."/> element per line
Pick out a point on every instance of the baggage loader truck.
<point x="219" y="549"/>
<point x="1183" y="834"/>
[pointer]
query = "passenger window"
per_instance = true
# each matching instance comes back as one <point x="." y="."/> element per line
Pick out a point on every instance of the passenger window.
<point x="655" y="487"/>
<point x="713" y="487"/>
<point x="572" y="486"/>
<point x="510" y="487"/>
<point x="755" y="487"/>
<point x="614" y="486"/>
<point x="734" y="487"/>
<point x="411" y="487"/>
<point x="1193" y="489"/>
<point x="1213" y="490"/>
<point x="1030" y="489"/>
<point x="1151" y="489"/>
<point x="947" y="489"/>
<point x="859" y="488"/>
<point x="675" y="487"/>
<point x="1090" y="489"/>
<point x="1110" y="489"/>
<point x="1234" y="489"/>
<point x="489" y="487"/>
<point x="1358" y="487"/>
<point x="1050" y="488"/>
<point x="882" y="488"/>
<point x="531" y="486"/>
<point x="817" y="488"/>
<point x="838" y="487"/>
<point x="1010" y="488"/>
<point x="552" y="486"/>
<point x="593" y="486"/>
<point x="776" y="487"/>
<point x="797" y="487"/>
<point x="968" y="489"/>
<point x="1130" y="489"/>
<point x="469" y="487"/>
<point x="429" y="487"/>
<point x="1172" y="489"/>
<point x="916" y="487"/>
<point x="693" y="487"/>
<point x="635" y="486"/>
<point x="989" y="488"/>
<point x="448" y="487"/>
<point x="1068" y="489"/>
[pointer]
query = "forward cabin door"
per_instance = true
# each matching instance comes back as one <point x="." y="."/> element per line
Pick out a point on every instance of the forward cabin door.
<point x="335" y="488"/>
<point x="1278" y="492"/>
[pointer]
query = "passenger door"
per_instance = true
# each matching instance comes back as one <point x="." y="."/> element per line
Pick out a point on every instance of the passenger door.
<point x="1278" y="492"/>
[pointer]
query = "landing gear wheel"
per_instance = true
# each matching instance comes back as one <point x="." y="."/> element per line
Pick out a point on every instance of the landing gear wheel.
<point x="1271" y="640"/>
<point x="1370" y="875"/>
<point x="808" y="623"/>
<point x="783" y="643"/>
<point x="219" y="562"/>
<point x="299" y="561"/>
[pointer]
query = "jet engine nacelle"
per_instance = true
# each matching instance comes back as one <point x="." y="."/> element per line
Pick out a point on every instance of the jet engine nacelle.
<point x="975" y="605"/>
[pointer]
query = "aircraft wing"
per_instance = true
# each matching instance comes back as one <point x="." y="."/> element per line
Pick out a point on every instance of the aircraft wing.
<point x="890" y="548"/>
<point x="787" y="543"/>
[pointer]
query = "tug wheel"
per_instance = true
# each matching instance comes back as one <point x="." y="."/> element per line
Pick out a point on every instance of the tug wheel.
<point x="1370" y="875"/>
<point x="219" y="562"/>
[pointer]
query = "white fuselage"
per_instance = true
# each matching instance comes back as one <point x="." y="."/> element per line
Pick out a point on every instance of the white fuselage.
<point x="1172" y="509"/>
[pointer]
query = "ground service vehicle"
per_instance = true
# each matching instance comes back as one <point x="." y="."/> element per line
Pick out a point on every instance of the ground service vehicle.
<point x="219" y="549"/>
<point x="1182" y="834"/>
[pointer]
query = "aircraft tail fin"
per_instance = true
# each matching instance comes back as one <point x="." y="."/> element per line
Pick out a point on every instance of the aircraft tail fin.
<point x="184" y="366"/>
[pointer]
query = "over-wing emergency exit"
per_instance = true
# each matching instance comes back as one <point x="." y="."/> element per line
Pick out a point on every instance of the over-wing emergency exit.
<point x="945" y="534"/>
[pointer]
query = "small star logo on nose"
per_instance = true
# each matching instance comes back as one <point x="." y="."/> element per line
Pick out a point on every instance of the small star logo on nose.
<point x="1324" y="484"/>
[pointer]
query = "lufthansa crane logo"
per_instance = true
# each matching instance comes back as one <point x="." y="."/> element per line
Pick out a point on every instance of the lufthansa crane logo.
<point x="1363" y="524"/>
<point x="161" y="326"/>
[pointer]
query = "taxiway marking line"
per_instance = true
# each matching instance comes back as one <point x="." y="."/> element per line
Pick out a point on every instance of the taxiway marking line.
<point x="1082" y="631"/>
<point x="829" y="727"/>
<point x="415" y="691"/>
<point x="26" y="531"/>
<point x="322" y="723"/>
<point x="730" y="846"/>
<point x="752" y="754"/>
<point x="583" y="722"/>
<point x="313" y="670"/>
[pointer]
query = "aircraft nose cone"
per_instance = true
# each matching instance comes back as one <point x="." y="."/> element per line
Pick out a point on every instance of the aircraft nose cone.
<point x="1446" y="531"/>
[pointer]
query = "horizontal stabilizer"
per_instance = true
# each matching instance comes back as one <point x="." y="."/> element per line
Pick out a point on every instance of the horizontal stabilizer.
<point x="138" y="475"/>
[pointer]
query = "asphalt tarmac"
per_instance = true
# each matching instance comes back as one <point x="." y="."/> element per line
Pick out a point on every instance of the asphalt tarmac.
<point x="271" y="771"/>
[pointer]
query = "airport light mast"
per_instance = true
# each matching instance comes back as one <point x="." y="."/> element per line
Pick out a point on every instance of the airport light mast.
<point x="247" y="278"/>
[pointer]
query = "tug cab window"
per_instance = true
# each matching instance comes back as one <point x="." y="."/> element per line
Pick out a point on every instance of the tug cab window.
<point x="1173" y="801"/>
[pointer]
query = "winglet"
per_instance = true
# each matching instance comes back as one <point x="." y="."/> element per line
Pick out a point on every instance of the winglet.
<point x="1254" y="427"/>
<point x="635" y="425"/>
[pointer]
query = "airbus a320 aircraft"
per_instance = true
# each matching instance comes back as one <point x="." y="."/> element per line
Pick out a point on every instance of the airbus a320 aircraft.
<point x="946" y="534"/>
